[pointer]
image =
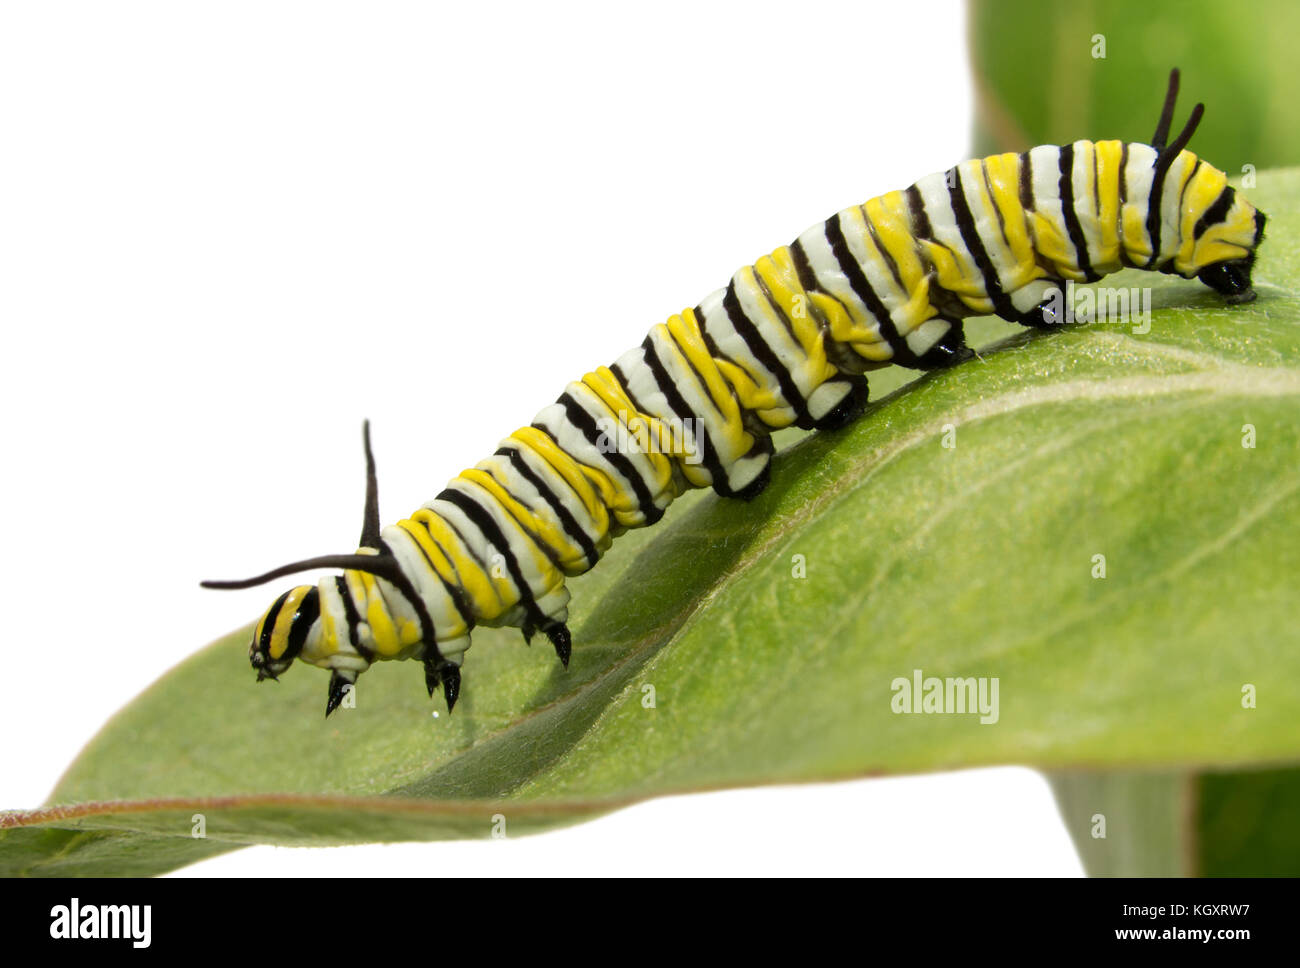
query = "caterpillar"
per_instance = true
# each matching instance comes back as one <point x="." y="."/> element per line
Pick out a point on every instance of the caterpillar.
<point x="788" y="341"/>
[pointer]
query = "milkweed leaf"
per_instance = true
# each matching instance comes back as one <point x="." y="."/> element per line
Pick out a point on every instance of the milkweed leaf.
<point x="744" y="643"/>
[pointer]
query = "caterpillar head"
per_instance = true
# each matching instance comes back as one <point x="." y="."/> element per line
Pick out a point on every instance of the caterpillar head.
<point x="1227" y="229"/>
<point x="282" y="631"/>
<point x="294" y="619"/>
<point x="1227" y="236"/>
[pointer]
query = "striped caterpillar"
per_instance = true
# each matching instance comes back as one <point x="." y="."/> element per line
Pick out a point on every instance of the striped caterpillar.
<point x="786" y="342"/>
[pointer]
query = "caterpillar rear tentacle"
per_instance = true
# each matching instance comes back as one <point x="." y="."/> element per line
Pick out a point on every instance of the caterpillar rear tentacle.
<point x="787" y="342"/>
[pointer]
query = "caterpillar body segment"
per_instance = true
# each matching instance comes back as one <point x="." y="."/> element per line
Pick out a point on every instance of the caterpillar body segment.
<point x="786" y="342"/>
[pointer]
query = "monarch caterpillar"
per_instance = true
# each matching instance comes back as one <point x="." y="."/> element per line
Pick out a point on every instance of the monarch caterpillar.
<point x="786" y="342"/>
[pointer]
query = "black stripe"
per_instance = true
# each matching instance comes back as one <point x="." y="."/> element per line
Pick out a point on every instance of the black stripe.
<point x="568" y="523"/>
<point x="765" y="355"/>
<point x="1026" y="182"/>
<point x="1123" y="197"/>
<point x="463" y="604"/>
<point x="883" y="249"/>
<point x="1096" y="180"/>
<point x="354" y="619"/>
<point x="700" y="379"/>
<point x="993" y="200"/>
<point x="552" y="554"/>
<point x="1216" y="213"/>
<point x="453" y="591"/>
<point x="399" y="580"/>
<point x="970" y="236"/>
<point x="272" y="613"/>
<point x="804" y="270"/>
<point x="303" y="618"/>
<point x="484" y="521"/>
<point x="1154" y="221"/>
<point x="585" y="424"/>
<point x="1182" y="194"/>
<point x="677" y="403"/>
<point x="1065" y="188"/>
<point x="920" y="218"/>
<point x="780" y="313"/>
<point x="860" y="286"/>
<point x="465" y="542"/>
<point x="1123" y="174"/>
<point x="709" y="343"/>
<point x="845" y="359"/>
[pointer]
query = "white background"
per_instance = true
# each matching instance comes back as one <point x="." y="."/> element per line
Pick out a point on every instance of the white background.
<point x="229" y="231"/>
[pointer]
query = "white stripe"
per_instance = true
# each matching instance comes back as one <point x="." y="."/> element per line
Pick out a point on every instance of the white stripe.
<point x="717" y="323"/>
<point x="1138" y="174"/>
<point x="875" y="267"/>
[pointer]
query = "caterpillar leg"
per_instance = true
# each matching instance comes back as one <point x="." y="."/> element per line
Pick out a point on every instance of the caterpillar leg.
<point x="1038" y="304"/>
<point x="839" y="402"/>
<point x="747" y="477"/>
<point x="936" y="344"/>
<point x="548" y="615"/>
<point x="834" y="404"/>
<point x="447" y="674"/>
<point x="557" y="632"/>
<point x="757" y="486"/>
<point x="340" y="682"/>
<point x="560" y="638"/>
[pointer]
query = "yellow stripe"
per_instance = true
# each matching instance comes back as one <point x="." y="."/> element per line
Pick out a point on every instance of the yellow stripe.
<point x="577" y="476"/>
<point x="768" y="318"/>
<point x="382" y="629"/>
<point x="778" y="274"/>
<point x="624" y="501"/>
<point x="494" y="578"/>
<point x="891" y="220"/>
<point x="1137" y="243"/>
<point x="534" y="528"/>
<point x="985" y="216"/>
<point x="602" y="383"/>
<point x="1083" y="158"/>
<point x="468" y="573"/>
<point x="754" y="394"/>
<point x="1201" y="194"/>
<point x="683" y="333"/>
<point x="1052" y="245"/>
<point x="650" y="433"/>
<point x="329" y="635"/>
<point x="442" y="568"/>
<point x="284" y="621"/>
<point x="1136" y="240"/>
<point x="666" y="436"/>
<point x="1176" y="192"/>
<point x="1004" y="176"/>
<point x="1108" y="176"/>
<point x="845" y="320"/>
<point x="751" y="394"/>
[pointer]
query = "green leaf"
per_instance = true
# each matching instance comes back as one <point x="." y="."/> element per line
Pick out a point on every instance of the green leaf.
<point x="1184" y="823"/>
<point x="1038" y="79"/>
<point x="971" y="561"/>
